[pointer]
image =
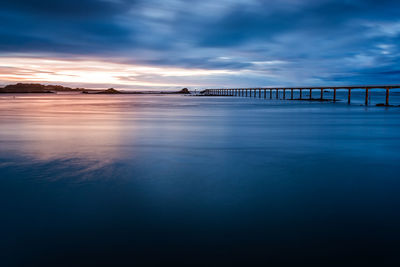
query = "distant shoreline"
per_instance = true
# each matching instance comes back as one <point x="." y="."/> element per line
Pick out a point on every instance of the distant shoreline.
<point x="34" y="88"/>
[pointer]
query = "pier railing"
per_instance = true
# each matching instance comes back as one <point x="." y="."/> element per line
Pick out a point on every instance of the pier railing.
<point x="275" y="92"/>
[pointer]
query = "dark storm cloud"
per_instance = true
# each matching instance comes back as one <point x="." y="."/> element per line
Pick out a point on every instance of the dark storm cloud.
<point x="66" y="8"/>
<point x="61" y="26"/>
<point x="298" y="41"/>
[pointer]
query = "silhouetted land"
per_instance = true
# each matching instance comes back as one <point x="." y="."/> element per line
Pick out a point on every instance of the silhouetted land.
<point x="37" y="88"/>
<point x="29" y="88"/>
<point x="114" y="91"/>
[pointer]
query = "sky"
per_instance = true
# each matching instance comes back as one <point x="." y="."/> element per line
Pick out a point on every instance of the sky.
<point x="171" y="44"/>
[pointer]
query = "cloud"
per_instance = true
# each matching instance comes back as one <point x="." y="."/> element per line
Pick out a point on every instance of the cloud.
<point x="319" y="41"/>
<point x="70" y="9"/>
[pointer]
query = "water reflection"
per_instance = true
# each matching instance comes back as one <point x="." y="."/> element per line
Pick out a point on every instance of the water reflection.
<point x="130" y="177"/>
<point x="70" y="131"/>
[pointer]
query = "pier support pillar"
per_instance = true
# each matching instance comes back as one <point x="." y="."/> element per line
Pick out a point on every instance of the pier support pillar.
<point x="277" y="93"/>
<point x="291" y="93"/>
<point x="366" y="96"/>
<point x="284" y="93"/>
<point x="322" y="93"/>
<point x="310" y="93"/>
<point x="301" y="94"/>
<point x="270" y="93"/>
<point x="265" y="93"/>
<point x="387" y="96"/>
<point x="334" y="95"/>
<point x="259" y="92"/>
<point x="349" y="96"/>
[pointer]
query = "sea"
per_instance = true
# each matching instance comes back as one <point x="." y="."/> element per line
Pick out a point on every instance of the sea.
<point x="171" y="180"/>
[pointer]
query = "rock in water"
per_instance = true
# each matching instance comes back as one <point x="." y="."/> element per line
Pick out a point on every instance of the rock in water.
<point x="184" y="91"/>
<point x="110" y="91"/>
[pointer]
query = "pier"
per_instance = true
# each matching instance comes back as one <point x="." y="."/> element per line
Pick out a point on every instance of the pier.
<point x="287" y="93"/>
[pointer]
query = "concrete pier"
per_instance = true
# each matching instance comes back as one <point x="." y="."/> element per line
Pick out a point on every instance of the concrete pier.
<point x="252" y="92"/>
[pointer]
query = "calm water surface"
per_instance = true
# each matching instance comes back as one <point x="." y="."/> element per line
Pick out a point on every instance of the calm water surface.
<point x="92" y="180"/>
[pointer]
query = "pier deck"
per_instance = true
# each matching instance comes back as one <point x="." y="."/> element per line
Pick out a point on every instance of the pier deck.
<point x="277" y="91"/>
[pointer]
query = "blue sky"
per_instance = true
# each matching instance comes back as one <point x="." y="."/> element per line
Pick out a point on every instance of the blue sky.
<point x="167" y="44"/>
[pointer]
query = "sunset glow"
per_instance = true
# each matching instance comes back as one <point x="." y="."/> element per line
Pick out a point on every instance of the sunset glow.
<point x="92" y="73"/>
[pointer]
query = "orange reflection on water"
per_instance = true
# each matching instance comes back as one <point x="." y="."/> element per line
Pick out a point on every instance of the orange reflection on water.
<point x="60" y="127"/>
